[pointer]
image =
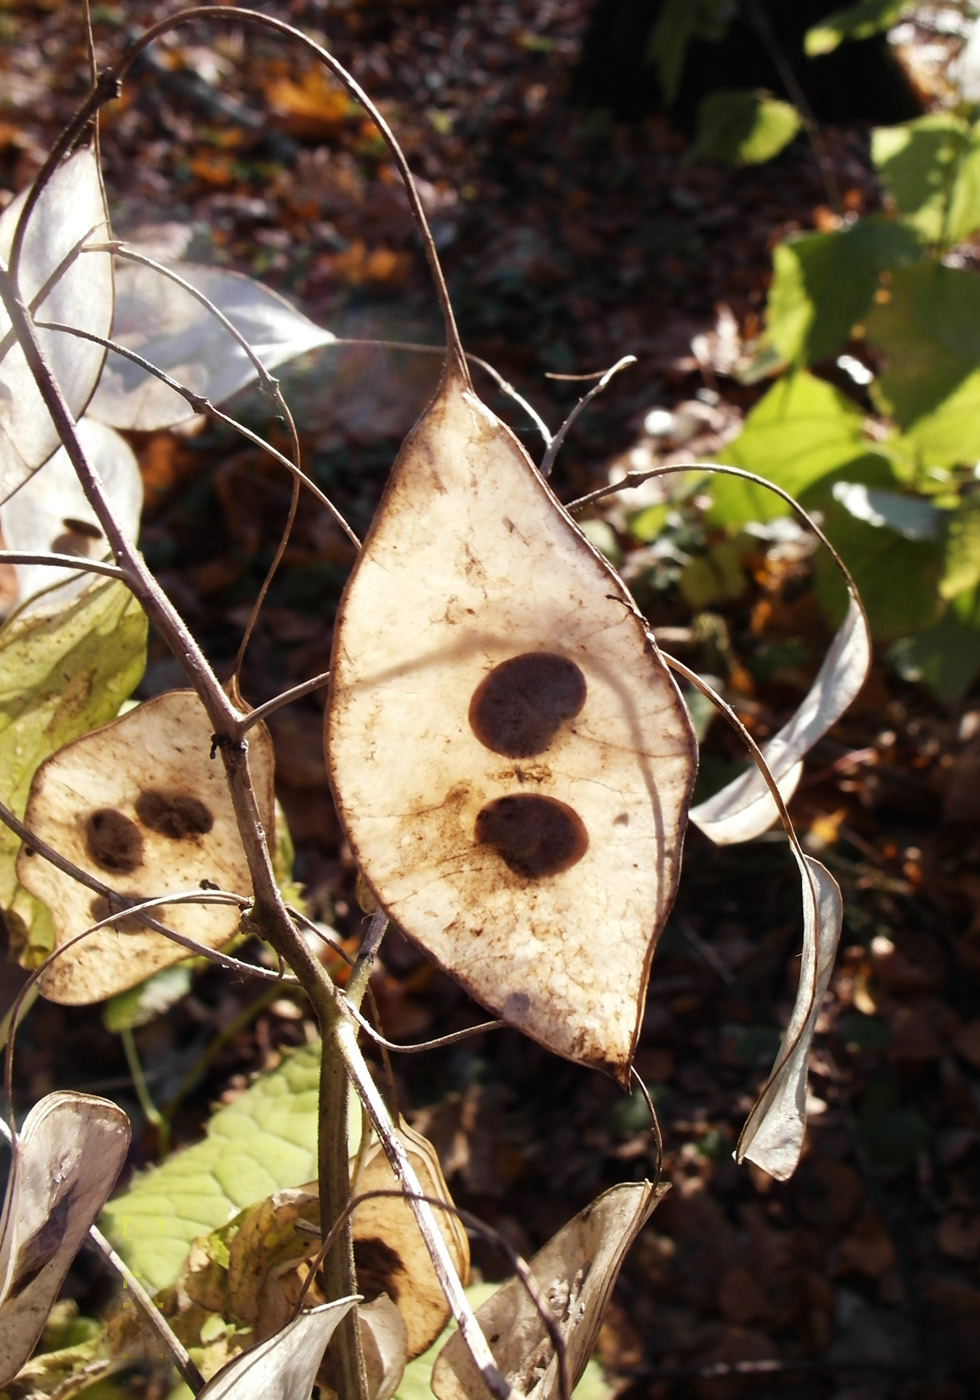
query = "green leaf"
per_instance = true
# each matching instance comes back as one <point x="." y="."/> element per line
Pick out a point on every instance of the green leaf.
<point x="678" y="23"/>
<point x="61" y="674"/>
<point x="930" y="330"/>
<point x="264" y="1141"/>
<point x="897" y="578"/>
<point x="932" y="169"/>
<point x="800" y="432"/>
<point x="740" y="127"/>
<point x="860" y="21"/>
<point x="824" y="282"/>
<point x="962" y="562"/>
<point x="946" y="656"/>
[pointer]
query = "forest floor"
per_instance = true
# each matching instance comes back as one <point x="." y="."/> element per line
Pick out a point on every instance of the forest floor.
<point x="569" y="241"/>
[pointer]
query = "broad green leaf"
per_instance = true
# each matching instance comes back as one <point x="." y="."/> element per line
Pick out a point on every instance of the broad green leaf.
<point x="962" y="563"/>
<point x="910" y="516"/>
<point x="163" y="322"/>
<point x="800" y="432"/>
<point x="896" y="577"/>
<point x="929" y="330"/>
<point x="739" y="127"/>
<point x="70" y="210"/>
<point x="824" y="282"/>
<point x="99" y="643"/>
<point x="264" y="1141"/>
<point x="860" y="21"/>
<point x="932" y="169"/>
<point x="947" y="655"/>
<point x="51" y="513"/>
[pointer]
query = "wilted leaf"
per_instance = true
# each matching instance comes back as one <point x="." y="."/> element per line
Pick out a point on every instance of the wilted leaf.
<point x="575" y="1271"/>
<point x="745" y="808"/>
<point x="551" y="755"/>
<point x="264" y="1141"/>
<point x="142" y="805"/>
<point x="384" y="1345"/>
<point x="389" y="1252"/>
<point x="739" y="127"/>
<point x="285" y="1366"/>
<point x="99" y="640"/>
<point x="51" y="513"/>
<point x="66" y="1160"/>
<point x="166" y="325"/>
<point x="70" y="211"/>
<point x="774" y="1131"/>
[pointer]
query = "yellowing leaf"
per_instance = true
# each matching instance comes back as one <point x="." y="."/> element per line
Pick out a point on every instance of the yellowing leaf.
<point x="99" y="640"/>
<point x="510" y="758"/>
<point x="389" y="1252"/>
<point x="575" y="1271"/>
<point x="143" y="806"/>
<point x="66" y="1160"/>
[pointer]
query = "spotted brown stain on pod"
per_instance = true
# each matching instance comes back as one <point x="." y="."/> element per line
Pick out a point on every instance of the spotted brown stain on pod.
<point x="176" y="815"/>
<point x="519" y="708"/>
<point x="536" y="836"/>
<point x="113" y="841"/>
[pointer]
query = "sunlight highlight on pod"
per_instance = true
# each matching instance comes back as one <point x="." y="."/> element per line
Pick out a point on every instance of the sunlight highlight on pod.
<point x="510" y="757"/>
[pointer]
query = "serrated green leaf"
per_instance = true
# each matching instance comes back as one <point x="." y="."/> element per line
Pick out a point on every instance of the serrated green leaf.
<point x="930" y="331"/>
<point x="740" y="127"/>
<point x="961" y="569"/>
<point x="800" y="432"/>
<point x="61" y="674"/>
<point x="932" y="169"/>
<point x="824" y="282"/>
<point x="264" y="1141"/>
<point x="860" y="21"/>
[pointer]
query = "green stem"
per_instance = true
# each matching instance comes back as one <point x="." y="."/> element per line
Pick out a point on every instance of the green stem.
<point x="150" y="1110"/>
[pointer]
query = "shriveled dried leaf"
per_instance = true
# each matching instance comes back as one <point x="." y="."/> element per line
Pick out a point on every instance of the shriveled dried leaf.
<point x="575" y="1271"/>
<point x="745" y="808"/>
<point x="165" y="324"/>
<point x="284" y="1367"/>
<point x="70" y="211"/>
<point x="389" y="1252"/>
<point x="509" y="756"/>
<point x="51" y="513"/>
<point x="384" y="1345"/>
<point x="774" y="1131"/>
<point x="66" y="1160"/>
<point x="142" y="805"/>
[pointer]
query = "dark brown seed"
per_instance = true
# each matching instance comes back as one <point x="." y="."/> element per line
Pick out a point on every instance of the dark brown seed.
<point x="536" y="836"/>
<point x="176" y="815"/>
<point x="113" y="841"/>
<point x="519" y="707"/>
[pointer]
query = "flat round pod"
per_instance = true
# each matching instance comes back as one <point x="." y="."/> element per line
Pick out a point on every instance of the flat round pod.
<point x="511" y="760"/>
<point x="141" y="805"/>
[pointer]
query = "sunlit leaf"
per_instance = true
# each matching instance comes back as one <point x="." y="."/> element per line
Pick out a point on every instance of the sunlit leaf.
<point x="740" y="127"/>
<point x="166" y="325"/>
<point x="961" y="566"/>
<point x="99" y="640"/>
<point x="859" y="21"/>
<point x="143" y="805"/>
<point x="70" y="211"/>
<point x="66" y="1160"/>
<point x="51" y="513"/>
<point x="265" y="1140"/>
<point x="285" y="1366"/>
<point x="932" y="169"/>
<point x="930" y="331"/>
<point x="575" y="1271"/>
<point x="551" y="755"/>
